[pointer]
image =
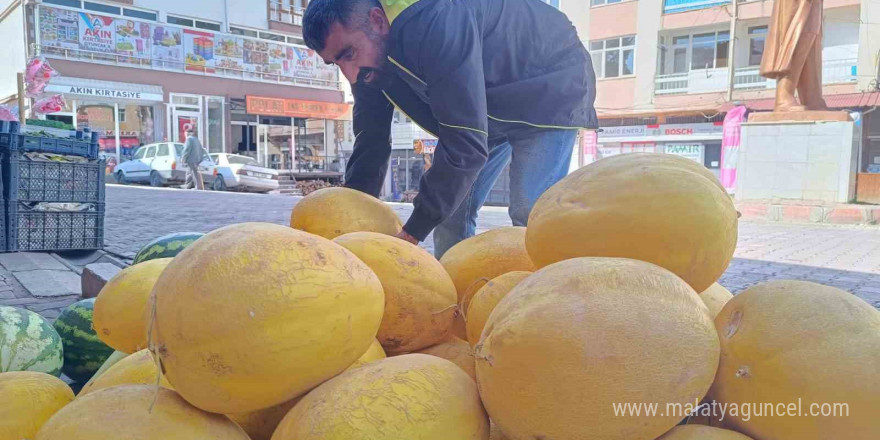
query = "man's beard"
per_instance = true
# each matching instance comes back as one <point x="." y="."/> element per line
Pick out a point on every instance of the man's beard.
<point x="377" y="75"/>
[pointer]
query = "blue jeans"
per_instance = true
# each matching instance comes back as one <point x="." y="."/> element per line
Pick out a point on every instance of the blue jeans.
<point x="538" y="159"/>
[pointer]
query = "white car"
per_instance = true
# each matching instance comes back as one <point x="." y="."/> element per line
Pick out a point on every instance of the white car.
<point x="159" y="164"/>
<point x="234" y="171"/>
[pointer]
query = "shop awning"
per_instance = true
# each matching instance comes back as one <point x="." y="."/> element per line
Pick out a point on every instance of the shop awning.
<point x="98" y="90"/>
<point x="849" y="100"/>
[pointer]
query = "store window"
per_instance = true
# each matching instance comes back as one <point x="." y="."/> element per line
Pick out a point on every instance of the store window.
<point x="605" y="2"/>
<point x="614" y="57"/>
<point x="244" y="32"/>
<point x="679" y="54"/>
<point x="101" y="8"/>
<point x="757" y="38"/>
<point x="215" y="141"/>
<point x="137" y="13"/>
<point x="69" y="3"/>
<point x="272" y="37"/>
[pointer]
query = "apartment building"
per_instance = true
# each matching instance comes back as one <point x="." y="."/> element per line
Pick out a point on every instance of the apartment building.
<point x="669" y="70"/>
<point x="144" y="71"/>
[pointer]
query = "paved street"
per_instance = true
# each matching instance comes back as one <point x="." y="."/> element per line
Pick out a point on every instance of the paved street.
<point x="843" y="256"/>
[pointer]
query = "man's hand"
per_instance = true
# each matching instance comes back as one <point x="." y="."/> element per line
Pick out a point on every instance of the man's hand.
<point x="406" y="237"/>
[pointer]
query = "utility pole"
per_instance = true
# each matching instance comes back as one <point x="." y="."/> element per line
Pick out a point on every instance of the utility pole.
<point x="731" y="52"/>
<point x="22" y="115"/>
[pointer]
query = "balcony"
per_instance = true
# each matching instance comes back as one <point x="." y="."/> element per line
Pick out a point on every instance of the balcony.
<point x="285" y="12"/>
<point x="745" y="78"/>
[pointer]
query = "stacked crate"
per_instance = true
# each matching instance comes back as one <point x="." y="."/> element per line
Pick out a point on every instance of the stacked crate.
<point x="27" y="183"/>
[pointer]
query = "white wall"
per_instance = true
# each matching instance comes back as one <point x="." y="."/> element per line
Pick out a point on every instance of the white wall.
<point x="869" y="44"/>
<point x="249" y="13"/>
<point x="841" y="41"/>
<point x="12" y="57"/>
<point x="648" y="22"/>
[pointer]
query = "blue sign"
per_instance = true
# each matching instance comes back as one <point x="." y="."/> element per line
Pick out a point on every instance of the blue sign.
<point x="673" y="6"/>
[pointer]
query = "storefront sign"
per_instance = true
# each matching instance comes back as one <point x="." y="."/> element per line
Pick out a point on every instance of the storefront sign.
<point x="700" y="129"/>
<point x="425" y="146"/>
<point x="693" y="152"/>
<point x="632" y="130"/>
<point x="97" y="33"/>
<point x="104" y="93"/>
<point x="295" y="108"/>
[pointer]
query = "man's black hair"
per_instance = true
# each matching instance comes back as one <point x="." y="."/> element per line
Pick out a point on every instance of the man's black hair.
<point x="321" y="14"/>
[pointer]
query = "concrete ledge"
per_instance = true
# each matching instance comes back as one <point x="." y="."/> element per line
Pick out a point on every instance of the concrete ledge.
<point x="807" y="212"/>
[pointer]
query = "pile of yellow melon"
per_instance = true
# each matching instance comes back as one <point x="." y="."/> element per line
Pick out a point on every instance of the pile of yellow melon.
<point x="608" y="298"/>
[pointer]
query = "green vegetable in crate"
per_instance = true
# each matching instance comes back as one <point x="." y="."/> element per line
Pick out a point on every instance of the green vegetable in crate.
<point x="28" y="343"/>
<point x="84" y="353"/>
<point x="167" y="246"/>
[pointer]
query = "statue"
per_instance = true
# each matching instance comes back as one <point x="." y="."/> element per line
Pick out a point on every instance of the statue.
<point x="793" y="57"/>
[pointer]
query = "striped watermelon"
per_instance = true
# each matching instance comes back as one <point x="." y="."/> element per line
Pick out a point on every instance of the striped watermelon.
<point x="84" y="353"/>
<point x="167" y="246"/>
<point x="28" y="343"/>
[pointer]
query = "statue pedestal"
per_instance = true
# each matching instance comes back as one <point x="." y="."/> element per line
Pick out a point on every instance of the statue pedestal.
<point x="802" y="116"/>
<point x="804" y="160"/>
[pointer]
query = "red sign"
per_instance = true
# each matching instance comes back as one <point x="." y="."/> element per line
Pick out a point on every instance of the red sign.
<point x="184" y="124"/>
<point x="679" y="131"/>
<point x="295" y="108"/>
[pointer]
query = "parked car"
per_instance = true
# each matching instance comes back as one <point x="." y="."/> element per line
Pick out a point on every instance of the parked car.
<point x="159" y="164"/>
<point x="237" y="172"/>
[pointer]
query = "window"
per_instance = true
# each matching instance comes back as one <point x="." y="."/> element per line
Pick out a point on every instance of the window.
<point x="757" y="37"/>
<point x="208" y="25"/>
<point x="614" y="57"/>
<point x="140" y="153"/>
<point x="244" y="32"/>
<point x="140" y="14"/>
<point x="170" y="19"/>
<point x="101" y="8"/>
<point x="272" y="37"/>
<point x="72" y="3"/>
<point x="694" y="52"/>
<point x="235" y="159"/>
<point x="178" y="148"/>
<point x="215" y="158"/>
<point x="122" y="115"/>
<point x="554" y="3"/>
<point x="151" y="152"/>
<point x="605" y="2"/>
<point x="163" y="150"/>
<point x="296" y="40"/>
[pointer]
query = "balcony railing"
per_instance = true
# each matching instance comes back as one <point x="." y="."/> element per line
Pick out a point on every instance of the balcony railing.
<point x="182" y="67"/>
<point x="285" y="12"/>
<point x="745" y="78"/>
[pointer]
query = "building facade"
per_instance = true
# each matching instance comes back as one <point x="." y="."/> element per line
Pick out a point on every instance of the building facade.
<point x="144" y="71"/>
<point x="670" y="70"/>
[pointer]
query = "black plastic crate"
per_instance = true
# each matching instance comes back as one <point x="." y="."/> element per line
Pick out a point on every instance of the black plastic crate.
<point x="79" y="143"/>
<point x="26" y="180"/>
<point x="30" y="230"/>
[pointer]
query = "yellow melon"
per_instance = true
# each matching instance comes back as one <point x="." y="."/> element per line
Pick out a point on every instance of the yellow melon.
<point x="136" y="369"/>
<point x="374" y="353"/>
<point x="715" y="297"/>
<point x="27" y="400"/>
<point x="120" y="308"/>
<point x="475" y="261"/>
<point x="485" y="300"/>
<point x="125" y="412"/>
<point x="420" y="299"/>
<point x="648" y="207"/>
<point x="412" y="396"/>
<point x="801" y="344"/>
<point x="699" y="432"/>
<point x="457" y="351"/>
<point x="260" y="425"/>
<point x="495" y="433"/>
<point x="255" y="314"/>
<point x="331" y="212"/>
<point x="578" y="336"/>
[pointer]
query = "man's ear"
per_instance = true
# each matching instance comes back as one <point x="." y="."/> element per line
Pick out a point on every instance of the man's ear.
<point x="379" y="21"/>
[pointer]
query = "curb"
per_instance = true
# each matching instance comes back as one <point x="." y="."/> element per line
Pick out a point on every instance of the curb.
<point x="823" y="214"/>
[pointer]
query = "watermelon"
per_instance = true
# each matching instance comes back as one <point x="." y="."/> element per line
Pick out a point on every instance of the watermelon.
<point x="84" y="353"/>
<point x="167" y="246"/>
<point x="28" y="343"/>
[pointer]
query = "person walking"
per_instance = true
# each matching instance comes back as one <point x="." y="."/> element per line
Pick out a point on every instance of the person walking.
<point x="193" y="155"/>
<point x="498" y="82"/>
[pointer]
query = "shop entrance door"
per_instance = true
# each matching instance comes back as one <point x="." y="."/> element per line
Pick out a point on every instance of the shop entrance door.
<point x="184" y="120"/>
<point x="263" y="145"/>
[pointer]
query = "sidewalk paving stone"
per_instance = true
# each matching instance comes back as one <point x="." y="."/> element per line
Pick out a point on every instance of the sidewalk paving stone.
<point x="26" y="261"/>
<point x="50" y="283"/>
